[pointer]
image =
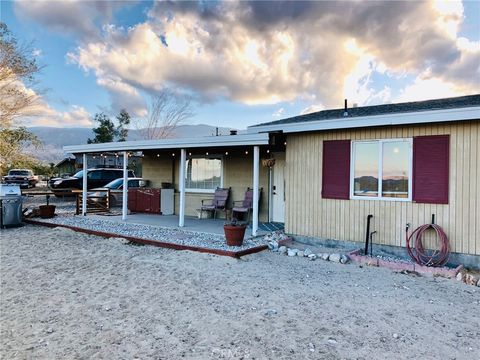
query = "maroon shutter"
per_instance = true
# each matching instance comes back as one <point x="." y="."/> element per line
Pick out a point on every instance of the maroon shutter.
<point x="336" y="169"/>
<point x="430" y="169"/>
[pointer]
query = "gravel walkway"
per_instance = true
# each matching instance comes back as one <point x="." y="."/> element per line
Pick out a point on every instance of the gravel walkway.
<point x="66" y="295"/>
<point x="164" y="234"/>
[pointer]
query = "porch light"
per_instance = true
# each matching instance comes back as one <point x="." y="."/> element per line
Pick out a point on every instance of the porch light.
<point x="246" y="152"/>
<point x="285" y="143"/>
<point x="189" y="154"/>
<point x="268" y="151"/>
<point x="207" y="153"/>
<point x="158" y="155"/>
<point x="173" y="154"/>
<point x="226" y="152"/>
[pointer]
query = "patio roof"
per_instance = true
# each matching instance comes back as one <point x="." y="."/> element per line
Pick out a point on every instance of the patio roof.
<point x="177" y="143"/>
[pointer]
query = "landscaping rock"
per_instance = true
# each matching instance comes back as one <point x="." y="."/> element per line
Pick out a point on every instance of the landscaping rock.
<point x="273" y="245"/>
<point x="470" y="279"/>
<point x="459" y="276"/>
<point x="292" y="252"/>
<point x="344" y="259"/>
<point x="325" y="256"/>
<point x="313" y="257"/>
<point x="307" y="252"/>
<point x="334" y="257"/>
<point x="300" y="253"/>
<point x="282" y="249"/>
<point x="478" y="283"/>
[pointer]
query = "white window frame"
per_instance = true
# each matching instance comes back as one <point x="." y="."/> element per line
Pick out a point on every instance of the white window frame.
<point x="205" y="191"/>
<point x="380" y="142"/>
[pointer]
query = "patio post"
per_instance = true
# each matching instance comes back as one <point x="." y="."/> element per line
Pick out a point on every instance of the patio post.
<point x="256" y="171"/>
<point x="183" y="160"/>
<point x="84" y="186"/>
<point x="125" y="187"/>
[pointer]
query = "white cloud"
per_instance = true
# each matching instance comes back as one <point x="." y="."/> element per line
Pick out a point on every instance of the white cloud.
<point x="312" y="109"/>
<point x="279" y="112"/>
<point x="269" y="52"/>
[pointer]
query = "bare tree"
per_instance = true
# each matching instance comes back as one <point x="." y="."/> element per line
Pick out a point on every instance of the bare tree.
<point x="18" y="68"/>
<point x="166" y="111"/>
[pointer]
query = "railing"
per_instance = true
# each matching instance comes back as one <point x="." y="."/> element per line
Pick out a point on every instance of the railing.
<point x="95" y="203"/>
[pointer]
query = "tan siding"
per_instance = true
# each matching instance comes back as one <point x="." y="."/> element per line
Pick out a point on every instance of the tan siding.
<point x="310" y="215"/>
<point x="237" y="174"/>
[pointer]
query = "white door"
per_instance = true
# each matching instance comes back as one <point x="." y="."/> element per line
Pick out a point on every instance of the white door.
<point x="278" y="189"/>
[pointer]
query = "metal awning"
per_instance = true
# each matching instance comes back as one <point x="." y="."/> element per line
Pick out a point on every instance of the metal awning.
<point x="178" y="143"/>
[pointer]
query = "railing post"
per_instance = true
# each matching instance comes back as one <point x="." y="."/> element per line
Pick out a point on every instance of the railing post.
<point x="125" y="187"/>
<point x="183" y="160"/>
<point x="256" y="172"/>
<point x="84" y="186"/>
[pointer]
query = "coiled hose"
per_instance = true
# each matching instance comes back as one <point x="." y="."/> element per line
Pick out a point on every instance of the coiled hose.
<point x="427" y="257"/>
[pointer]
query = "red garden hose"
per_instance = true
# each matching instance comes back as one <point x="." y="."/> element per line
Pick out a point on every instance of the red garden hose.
<point x="428" y="257"/>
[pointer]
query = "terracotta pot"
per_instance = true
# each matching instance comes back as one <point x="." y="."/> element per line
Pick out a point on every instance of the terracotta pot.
<point x="47" y="211"/>
<point x="234" y="234"/>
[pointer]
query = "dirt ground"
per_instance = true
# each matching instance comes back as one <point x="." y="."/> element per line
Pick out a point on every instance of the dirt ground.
<point x="66" y="295"/>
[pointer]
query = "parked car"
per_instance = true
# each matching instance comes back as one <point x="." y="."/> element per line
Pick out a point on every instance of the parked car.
<point x="22" y="177"/>
<point x="116" y="190"/>
<point x="95" y="178"/>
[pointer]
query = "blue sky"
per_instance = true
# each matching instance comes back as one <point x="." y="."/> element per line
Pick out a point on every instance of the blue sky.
<point x="244" y="67"/>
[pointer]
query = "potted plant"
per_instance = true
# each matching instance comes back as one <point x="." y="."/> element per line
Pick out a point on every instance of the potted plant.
<point x="234" y="232"/>
<point x="47" y="211"/>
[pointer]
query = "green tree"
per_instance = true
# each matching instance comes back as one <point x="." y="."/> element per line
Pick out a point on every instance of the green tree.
<point x="12" y="143"/>
<point x="105" y="132"/>
<point x="123" y="121"/>
<point x="18" y="68"/>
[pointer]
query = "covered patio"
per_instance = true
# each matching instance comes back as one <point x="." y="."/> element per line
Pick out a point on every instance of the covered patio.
<point x="169" y="161"/>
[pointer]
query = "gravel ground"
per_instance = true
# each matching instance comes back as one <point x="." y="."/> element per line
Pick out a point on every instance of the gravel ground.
<point x="66" y="295"/>
<point x="165" y="234"/>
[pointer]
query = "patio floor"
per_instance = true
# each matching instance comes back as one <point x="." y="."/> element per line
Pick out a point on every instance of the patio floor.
<point x="210" y="226"/>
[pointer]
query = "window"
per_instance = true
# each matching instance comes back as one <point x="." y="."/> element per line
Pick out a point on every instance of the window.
<point x="381" y="169"/>
<point x="203" y="174"/>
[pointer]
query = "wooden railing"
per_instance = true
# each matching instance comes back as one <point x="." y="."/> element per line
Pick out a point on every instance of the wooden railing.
<point x="95" y="204"/>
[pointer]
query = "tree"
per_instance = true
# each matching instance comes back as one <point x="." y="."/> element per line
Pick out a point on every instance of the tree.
<point x="166" y="111"/>
<point x="18" y="68"/>
<point x="123" y="121"/>
<point x="105" y="132"/>
<point x="12" y="143"/>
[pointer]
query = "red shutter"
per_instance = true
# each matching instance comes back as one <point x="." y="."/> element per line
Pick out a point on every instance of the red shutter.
<point x="336" y="169"/>
<point x="430" y="169"/>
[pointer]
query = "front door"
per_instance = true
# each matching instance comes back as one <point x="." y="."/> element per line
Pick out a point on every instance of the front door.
<point x="278" y="189"/>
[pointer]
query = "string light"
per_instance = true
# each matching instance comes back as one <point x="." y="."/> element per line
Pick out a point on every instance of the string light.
<point x="189" y="154"/>
<point x="226" y="152"/>
<point x="246" y="152"/>
<point x="173" y="154"/>
<point x="158" y="155"/>
<point x="207" y="153"/>
<point x="268" y="151"/>
<point x="285" y="143"/>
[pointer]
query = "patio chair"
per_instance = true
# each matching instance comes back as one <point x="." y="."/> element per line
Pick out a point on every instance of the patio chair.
<point x="245" y="206"/>
<point x="218" y="203"/>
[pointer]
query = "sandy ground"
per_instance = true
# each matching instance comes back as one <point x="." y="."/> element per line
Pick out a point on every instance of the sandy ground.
<point x="72" y="296"/>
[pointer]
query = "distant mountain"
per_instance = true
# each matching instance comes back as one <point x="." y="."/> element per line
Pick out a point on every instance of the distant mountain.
<point x="54" y="138"/>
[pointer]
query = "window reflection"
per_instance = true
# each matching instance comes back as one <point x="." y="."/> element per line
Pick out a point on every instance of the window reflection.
<point x="366" y="169"/>
<point x="203" y="173"/>
<point x="395" y="169"/>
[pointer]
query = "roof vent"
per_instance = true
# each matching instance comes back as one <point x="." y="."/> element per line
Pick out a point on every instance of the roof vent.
<point x="345" y="112"/>
<point x="233" y="132"/>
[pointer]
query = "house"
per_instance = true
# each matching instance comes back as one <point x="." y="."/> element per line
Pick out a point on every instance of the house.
<point x="400" y="163"/>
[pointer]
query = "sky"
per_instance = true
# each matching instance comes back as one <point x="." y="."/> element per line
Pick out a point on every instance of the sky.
<point x="243" y="62"/>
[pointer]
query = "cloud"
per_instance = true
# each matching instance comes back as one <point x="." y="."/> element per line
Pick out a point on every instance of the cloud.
<point x="312" y="109"/>
<point x="278" y="113"/>
<point x="269" y="52"/>
<point x="78" y="17"/>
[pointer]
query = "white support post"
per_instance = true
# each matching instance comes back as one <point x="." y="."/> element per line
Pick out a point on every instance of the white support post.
<point x="256" y="172"/>
<point x="125" y="187"/>
<point x="183" y="160"/>
<point x="84" y="186"/>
